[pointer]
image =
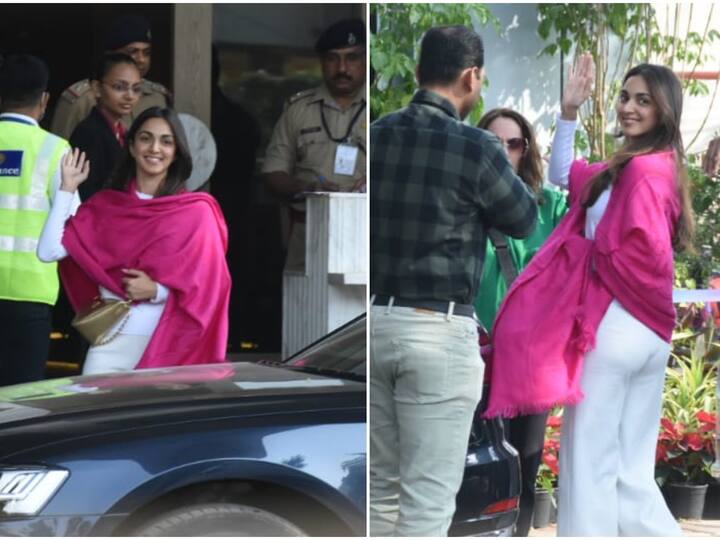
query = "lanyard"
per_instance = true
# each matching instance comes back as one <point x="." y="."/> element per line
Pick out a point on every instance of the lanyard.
<point x="350" y="127"/>
<point x="18" y="120"/>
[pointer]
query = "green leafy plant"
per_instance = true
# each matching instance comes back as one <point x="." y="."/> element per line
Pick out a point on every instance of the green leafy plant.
<point x="685" y="452"/>
<point x="696" y="268"/>
<point x="687" y="432"/>
<point x="395" y="47"/>
<point x="634" y="28"/>
<point x="548" y="471"/>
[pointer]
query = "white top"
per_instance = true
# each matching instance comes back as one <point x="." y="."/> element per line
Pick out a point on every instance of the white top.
<point x="57" y="177"/>
<point x="561" y="158"/>
<point x="144" y="316"/>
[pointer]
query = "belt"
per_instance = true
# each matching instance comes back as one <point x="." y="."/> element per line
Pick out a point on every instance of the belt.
<point x="451" y="308"/>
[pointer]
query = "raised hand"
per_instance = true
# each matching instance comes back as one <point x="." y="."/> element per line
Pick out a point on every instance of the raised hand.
<point x="578" y="87"/>
<point x="74" y="169"/>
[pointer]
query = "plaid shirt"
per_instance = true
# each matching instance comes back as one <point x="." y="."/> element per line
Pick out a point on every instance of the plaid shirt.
<point x="436" y="185"/>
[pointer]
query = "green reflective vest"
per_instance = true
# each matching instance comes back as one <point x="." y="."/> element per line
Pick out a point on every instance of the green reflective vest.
<point x="29" y="158"/>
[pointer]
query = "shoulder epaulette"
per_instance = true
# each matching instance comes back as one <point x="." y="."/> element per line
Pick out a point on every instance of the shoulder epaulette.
<point x="150" y="87"/>
<point x="73" y="92"/>
<point x="300" y="96"/>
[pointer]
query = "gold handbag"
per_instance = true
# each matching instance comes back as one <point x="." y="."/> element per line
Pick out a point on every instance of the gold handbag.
<point x="95" y="322"/>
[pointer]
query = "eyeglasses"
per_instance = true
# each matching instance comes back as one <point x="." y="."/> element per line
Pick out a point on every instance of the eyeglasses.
<point x="122" y="87"/>
<point x="516" y="143"/>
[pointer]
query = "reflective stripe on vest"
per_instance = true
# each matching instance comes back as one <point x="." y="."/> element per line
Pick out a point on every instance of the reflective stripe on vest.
<point x="41" y="173"/>
<point x="25" y="202"/>
<point x="18" y="243"/>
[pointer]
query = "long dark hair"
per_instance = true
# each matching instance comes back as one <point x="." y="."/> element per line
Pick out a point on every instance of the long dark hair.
<point x="181" y="167"/>
<point x="666" y="92"/>
<point x="530" y="168"/>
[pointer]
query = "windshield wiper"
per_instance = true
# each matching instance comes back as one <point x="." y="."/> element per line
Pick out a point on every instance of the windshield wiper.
<point x="330" y="372"/>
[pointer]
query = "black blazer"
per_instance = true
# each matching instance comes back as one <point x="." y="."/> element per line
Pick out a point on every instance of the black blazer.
<point x="95" y="137"/>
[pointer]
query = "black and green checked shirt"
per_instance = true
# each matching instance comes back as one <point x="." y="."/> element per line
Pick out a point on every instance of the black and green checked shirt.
<point x="436" y="185"/>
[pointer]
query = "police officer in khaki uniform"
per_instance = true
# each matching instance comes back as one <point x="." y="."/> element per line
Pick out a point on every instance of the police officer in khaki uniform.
<point x="128" y="34"/>
<point x="319" y="143"/>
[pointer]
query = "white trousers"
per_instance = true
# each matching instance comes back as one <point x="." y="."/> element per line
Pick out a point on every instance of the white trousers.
<point x="607" y="452"/>
<point x="122" y="354"/>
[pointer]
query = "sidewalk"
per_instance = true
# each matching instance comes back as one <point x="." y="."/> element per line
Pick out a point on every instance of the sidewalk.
<point x="690" y="527"/>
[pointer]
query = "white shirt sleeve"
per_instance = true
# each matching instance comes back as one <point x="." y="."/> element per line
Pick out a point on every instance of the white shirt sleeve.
<point x="50" y="247"/>
<point x="562" y="153"/>
<point x="64" y="204"/>
<point x="162" y="294"/>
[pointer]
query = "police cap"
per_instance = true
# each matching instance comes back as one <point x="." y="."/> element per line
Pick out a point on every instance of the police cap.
<point x="127" y="29"/>
<point x="345" y="33"/>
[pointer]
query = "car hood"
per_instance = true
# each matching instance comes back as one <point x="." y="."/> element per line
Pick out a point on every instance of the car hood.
<point x="167" y="387"/>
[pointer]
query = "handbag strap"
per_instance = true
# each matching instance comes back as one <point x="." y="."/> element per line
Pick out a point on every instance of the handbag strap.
<point x="502" y="249"/>
<point x="120" y="327"/>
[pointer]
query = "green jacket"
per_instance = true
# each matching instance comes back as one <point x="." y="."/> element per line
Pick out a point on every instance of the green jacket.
<point x="492" y="285"/>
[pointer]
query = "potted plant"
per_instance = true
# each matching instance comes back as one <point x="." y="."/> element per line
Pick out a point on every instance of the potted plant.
<point x="684" y="457"/>
<point x="546" y="480"/>
<point x="685" y="450"/>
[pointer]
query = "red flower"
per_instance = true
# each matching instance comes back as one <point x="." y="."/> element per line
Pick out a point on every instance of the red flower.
<point x="705" y="416"/>
<point x="660" y="453"/>
<point x="552" y="444"/>
<point x="670" y="431"/>
<point x="707" y="421"/>
<point x="555" y="421"/>
<point x="695" y="441"/>
<point x="551" y="461"/>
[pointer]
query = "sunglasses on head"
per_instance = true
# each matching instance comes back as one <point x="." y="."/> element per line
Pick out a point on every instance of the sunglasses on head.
<point x="516" y="143"/>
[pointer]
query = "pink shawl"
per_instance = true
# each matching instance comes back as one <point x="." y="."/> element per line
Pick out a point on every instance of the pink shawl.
<point x="178" y="240"/>
<point x="550" y="316"/>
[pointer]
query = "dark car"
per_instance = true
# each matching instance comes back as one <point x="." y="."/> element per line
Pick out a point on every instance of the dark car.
<point x="226" y="449"/>
<point x="487" y="503"/>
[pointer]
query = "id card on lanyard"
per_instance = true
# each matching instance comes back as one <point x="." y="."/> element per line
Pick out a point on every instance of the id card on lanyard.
<point x="346" y="159"/>
<point x="346" y="154"/>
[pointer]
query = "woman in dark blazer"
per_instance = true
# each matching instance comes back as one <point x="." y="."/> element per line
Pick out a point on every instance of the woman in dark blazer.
<point x="116" y="84"/>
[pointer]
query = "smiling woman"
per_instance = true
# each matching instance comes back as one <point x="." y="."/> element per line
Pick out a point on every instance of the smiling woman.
<point x="150" y="242"/>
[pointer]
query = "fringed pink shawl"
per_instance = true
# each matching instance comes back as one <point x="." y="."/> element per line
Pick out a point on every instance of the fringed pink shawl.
<point x="178" y="240"/>
<point x="550" y="316"/>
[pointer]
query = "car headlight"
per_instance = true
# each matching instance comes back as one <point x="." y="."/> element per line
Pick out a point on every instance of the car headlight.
<point x="24" y="491"/>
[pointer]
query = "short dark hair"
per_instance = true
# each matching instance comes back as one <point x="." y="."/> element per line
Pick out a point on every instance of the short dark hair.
<point x="179" y="170"/>
<point x="108" y="61"/>
<point x="445" y="51"/>
<point x="23" y="79"/>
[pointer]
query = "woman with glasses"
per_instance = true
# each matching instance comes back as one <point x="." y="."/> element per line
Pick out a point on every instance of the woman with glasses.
<point x="526" y="433"/>
<point x="116" y="84"/>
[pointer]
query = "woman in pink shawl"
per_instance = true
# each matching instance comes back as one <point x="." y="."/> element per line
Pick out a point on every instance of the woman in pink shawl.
<point x="148" y="240"/>
<point x="589" y="321"/>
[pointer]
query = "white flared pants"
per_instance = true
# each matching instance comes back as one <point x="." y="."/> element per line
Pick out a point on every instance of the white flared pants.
<point x="607" y="452"/>
<point x="122" y="354"/>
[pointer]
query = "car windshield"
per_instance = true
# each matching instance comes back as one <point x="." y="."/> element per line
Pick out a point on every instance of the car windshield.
<point x="342" y="352"/>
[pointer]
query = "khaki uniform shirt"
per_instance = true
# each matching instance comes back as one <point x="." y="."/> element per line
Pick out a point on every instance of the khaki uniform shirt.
<point x="301" y="147"/>
<point x="77" y="101"/>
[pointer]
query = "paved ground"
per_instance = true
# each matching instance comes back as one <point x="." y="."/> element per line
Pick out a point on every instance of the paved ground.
<point x="690" y="527"/>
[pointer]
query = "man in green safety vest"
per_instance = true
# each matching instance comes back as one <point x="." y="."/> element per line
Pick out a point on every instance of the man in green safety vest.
<point x="29" y="178"/>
